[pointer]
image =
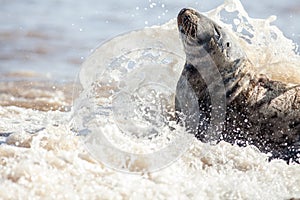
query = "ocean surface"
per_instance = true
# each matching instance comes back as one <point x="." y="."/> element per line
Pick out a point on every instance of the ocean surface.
<point x="52" y="38"/>
<point x="72" y="72"/>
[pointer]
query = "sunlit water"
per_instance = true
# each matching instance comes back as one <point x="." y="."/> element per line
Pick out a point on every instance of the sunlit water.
<point x="41" y="155"/>
<point x="52" y="38"/>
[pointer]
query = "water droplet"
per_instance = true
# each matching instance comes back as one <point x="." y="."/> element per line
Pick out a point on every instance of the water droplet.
<point x="152" y="5"/>
<point x="236" y="21"/>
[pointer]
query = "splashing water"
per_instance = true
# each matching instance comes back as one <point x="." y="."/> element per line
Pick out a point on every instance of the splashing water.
<point x="42" y="158"/>
<point x="265" y="45"/>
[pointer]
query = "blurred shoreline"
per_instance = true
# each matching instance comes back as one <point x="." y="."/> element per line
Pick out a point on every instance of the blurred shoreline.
<point x="53" y="38"/>
<point x="36" y="93"/>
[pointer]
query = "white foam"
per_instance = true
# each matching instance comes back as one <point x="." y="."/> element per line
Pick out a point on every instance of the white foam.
<point x="55" y="164"/>
<point x="47" y="160"/>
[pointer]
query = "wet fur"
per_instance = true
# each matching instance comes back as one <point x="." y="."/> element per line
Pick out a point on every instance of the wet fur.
<point x="259" y="111"/>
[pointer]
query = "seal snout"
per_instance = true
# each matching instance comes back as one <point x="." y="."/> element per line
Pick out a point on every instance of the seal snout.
<point x="187" y="22"/>
<point x="183" y="16"/>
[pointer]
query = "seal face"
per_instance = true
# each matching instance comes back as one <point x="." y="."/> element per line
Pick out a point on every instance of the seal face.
<point x="259" y="111"/>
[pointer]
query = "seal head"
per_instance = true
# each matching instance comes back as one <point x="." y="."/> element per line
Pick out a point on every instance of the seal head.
<point x="199" y="31"/>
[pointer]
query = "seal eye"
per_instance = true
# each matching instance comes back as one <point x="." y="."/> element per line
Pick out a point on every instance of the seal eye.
<point x="228" y="44"/>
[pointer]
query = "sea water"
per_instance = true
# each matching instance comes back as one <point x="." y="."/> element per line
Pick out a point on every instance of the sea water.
<point x="52" y="38"/>
<point x="42" y="155"/>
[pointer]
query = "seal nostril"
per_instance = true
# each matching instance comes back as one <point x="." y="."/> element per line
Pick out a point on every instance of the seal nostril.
<point x="185" y="19"/>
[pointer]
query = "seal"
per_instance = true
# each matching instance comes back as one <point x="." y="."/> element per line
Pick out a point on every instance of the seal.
<point x="258" y="111"/>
